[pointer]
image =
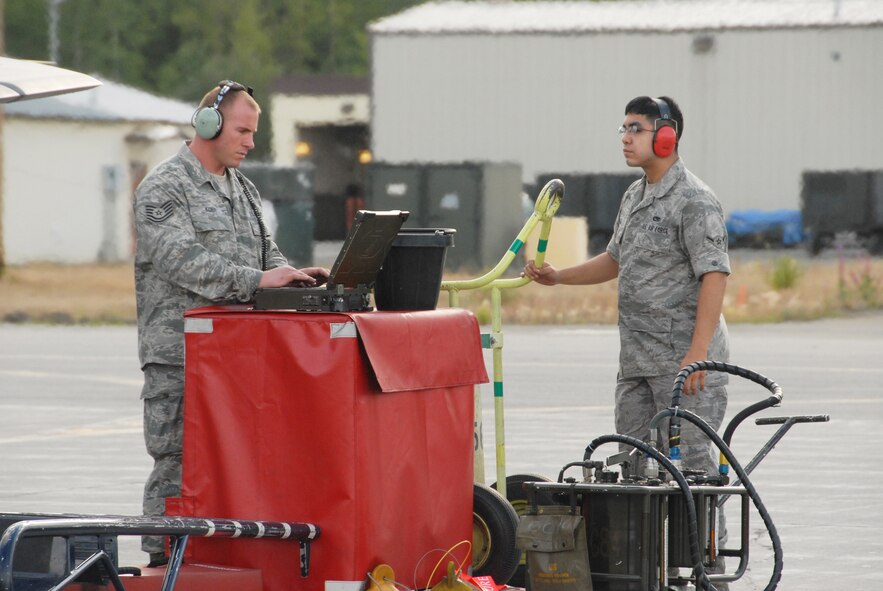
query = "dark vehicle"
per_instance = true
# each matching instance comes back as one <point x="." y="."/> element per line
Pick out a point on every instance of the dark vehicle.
<point x="834" y="202"/>
<point x="593" y="196"/>
<point x="480" y="200"/>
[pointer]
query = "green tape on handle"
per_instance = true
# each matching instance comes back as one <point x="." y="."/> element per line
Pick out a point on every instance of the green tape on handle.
<point x="498" y="389"/>
<point x="516" y="246"/>
<point x="541" y="245"/>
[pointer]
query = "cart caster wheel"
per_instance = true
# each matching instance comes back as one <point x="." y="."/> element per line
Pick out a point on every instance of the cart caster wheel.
<point x="517" y="497"/>
<point x="494" y="523"/>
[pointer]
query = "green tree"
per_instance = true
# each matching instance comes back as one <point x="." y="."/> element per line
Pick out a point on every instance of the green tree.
<point x="27" y="29"/>
<point x="180" y="49"/>
<point x="162" y="44"/>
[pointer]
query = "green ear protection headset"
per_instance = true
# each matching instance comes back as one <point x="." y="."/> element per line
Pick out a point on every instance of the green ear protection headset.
<point x="208" y="121"/>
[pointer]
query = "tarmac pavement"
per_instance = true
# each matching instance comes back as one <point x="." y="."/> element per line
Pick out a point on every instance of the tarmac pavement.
<point x="70" y="430"/>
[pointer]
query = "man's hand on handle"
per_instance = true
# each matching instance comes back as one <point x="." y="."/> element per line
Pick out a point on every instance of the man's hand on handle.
<point x="545" y="275"/>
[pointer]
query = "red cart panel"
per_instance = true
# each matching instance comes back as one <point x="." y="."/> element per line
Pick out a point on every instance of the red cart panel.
<point x="289" y="417"/>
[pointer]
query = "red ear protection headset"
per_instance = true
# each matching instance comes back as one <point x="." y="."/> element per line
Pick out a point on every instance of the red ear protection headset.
<point x="665" y="131"/>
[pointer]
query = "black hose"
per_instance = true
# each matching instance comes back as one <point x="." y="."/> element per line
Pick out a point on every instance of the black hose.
<point x="265" y="235"/>
<point x="743" y="476"/>
<point x="744" y="414"/>
<point x="674" y="425"/>
<point x="724" y="367"/>
<point x="698" y="567"/>
<point x="582" y="464"/>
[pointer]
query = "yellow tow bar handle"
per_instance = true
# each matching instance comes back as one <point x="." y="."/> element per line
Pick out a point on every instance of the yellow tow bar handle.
<point x="544" y="210"/>
<point x="548" y="202"/>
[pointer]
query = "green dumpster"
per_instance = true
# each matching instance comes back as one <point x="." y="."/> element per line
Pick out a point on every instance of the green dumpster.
<point x="290" y="190"/>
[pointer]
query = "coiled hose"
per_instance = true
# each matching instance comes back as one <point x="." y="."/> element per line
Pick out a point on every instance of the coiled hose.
<point x="675" y="412"/>
<point x="674" y="425"/>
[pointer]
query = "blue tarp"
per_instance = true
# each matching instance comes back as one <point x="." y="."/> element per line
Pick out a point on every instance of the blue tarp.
<point x="758" y="222"/>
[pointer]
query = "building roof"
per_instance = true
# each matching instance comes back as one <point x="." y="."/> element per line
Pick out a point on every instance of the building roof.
<point x="605" y="16"/>
<point x="109" y="102"/>
<point x="322" y="85"/>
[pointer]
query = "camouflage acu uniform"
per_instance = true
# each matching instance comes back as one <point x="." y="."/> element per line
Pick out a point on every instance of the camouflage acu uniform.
<point x="198" y="242"/>
<point x="163" y="420"/>
<point x="665" y="239"/>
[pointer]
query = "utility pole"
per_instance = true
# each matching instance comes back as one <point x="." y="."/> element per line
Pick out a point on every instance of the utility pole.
<point x="2" y="117"/>
<point x="53" y="30"/>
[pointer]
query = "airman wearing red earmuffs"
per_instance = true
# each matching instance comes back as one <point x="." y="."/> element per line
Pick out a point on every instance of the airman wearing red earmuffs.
<point x="650" y="140"/>
<point x="669" y="253"/>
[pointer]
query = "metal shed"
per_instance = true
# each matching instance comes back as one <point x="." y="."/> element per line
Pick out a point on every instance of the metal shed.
<point x="769" y="89"/>
<point x="71" y="164"/>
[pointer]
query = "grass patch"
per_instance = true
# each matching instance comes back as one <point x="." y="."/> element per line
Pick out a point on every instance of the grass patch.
<point x="785" y="273"/>
<point x="68" y="294"/>
<point x="759" y="290"/>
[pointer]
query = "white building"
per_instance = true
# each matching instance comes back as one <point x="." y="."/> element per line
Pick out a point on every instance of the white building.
<point x="323" y="120"/>
<point x="769" y="89"/>
<point x="71" y="164"/>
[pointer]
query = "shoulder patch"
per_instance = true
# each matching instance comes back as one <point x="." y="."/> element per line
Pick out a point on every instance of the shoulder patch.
<point x="159" y="213"/>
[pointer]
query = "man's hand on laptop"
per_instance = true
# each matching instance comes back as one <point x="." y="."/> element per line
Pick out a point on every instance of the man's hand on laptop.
<point x="319" y="276"/>
<point x="288" y="275"/>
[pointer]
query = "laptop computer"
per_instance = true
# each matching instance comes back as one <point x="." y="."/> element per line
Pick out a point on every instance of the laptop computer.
<point x="353" y="274"/>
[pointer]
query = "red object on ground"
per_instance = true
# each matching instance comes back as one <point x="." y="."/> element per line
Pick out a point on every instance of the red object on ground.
<point x="361" y="423"/>
<point x="484" y="582"/>
<point x="191" y="577"/>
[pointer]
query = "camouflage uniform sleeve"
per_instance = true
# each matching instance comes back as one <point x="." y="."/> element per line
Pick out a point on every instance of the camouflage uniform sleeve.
<point x="705" y="235"/>
<point x="275" y="258"/>
<point x="613" y="245"/>
<point x="167" y="236"/>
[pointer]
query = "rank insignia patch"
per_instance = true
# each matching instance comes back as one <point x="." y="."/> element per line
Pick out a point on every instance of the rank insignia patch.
<point x="159" y="213"/>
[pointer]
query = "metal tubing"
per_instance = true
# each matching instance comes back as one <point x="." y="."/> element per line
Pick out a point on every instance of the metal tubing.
<point x="99" y="557"/>
<point x="305" y="558"/>
<point x="169" y="526"/>
<point x="499" y="423"/>
<point x="755" y="497"/>
<point x="787" y="423"/>
<point x="178" y="527"/>
<point x="743" y="551"/>
<point x="546" y="205"/>
<point x="176" y="558"/>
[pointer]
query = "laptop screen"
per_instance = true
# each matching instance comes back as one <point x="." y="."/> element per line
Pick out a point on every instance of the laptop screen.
<point x="365" y="247"/>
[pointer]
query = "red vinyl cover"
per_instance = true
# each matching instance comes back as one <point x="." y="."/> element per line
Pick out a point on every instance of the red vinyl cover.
<point x="285" y="420"/>
<point x="418" y="350"/>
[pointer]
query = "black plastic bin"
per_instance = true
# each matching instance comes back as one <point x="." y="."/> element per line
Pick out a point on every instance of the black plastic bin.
<point x="411" y="276"/>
